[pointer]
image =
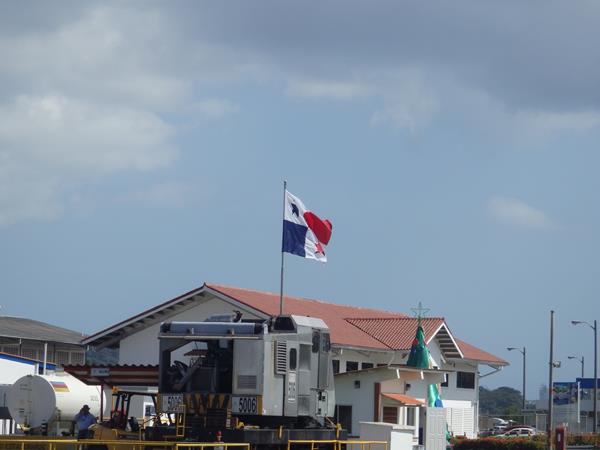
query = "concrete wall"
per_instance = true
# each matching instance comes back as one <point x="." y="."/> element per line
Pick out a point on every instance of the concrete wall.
<point x="399" y="437"/>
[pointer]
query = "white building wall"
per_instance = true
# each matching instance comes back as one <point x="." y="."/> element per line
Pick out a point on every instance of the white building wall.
<point x="11" y="371"/>
<point x="343" y="355"/>
<point x="361" y="398"/>
<point x="461" y="403"/>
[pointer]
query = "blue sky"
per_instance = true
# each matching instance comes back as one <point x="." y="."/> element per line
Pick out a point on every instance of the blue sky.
<point x="143" y="146"/>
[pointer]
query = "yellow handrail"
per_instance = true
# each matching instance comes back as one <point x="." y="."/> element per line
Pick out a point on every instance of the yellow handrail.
<point x="59" y="443"/>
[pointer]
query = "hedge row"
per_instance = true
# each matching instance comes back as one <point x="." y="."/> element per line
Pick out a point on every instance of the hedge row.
<point x="533" y="443"/>
<point x="494" y="443"/>
<point x="584" y="439"/>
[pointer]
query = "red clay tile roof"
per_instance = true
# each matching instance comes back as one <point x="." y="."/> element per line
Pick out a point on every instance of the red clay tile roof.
<point x="334" y="315"/>
<point x="404" y="399"/>
<point x="476" y="354"/>
<point x="397" y="333"/>
<point x="350" y="326"/>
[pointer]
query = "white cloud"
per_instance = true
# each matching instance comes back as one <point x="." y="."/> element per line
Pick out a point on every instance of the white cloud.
<point x="517" y="213"/>
<point x="80" y="102"/>
<point x="51" y="144"/>
<point x="337" y="90"/>
<point x="410" y="101"/>
<point x="214" y="108"/>
<point x="544" y="123"/>
<point x="97" y="57"/>
<point x="170" y="193"/>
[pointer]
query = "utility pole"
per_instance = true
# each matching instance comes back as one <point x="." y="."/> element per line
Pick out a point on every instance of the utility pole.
<point x="595" y="328"/>
<point x="550" y="381"/>
<point x="523" y="352"/>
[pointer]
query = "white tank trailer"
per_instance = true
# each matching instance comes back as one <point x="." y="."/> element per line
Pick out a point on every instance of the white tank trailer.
<point x="50" y="402"/>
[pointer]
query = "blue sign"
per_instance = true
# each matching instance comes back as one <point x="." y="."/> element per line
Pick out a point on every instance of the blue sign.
<point x="564" y="393"/>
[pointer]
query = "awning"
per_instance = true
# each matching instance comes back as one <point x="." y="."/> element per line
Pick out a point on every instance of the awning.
<point x="405" y="400"/>
<point x="115" y="375"/>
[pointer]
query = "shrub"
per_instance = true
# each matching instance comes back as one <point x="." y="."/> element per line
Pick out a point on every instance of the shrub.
<point x="494" y="443"/>
<point x="583" y="439"/>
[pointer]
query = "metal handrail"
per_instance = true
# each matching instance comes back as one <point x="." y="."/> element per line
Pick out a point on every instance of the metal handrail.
<point x="337" y="443"/>
<point x="362" y="444"/>
<point x="53" y="443"/>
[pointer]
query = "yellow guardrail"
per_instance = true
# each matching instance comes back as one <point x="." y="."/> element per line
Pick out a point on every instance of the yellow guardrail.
<point x="45" y="443"/>
<point x="15" y="443"/>
<point x="364" y="445"/>
<point x="223" y="445"/>
<point x="337" y="444"/>
<point x="312" y="443"/>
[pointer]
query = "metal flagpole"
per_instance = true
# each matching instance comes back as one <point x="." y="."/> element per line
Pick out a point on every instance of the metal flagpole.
<point x="550" y="381"/>
<point x="282" y="236"/>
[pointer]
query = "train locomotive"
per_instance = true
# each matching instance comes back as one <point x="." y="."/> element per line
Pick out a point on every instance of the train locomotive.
<point x="262" y="382"/>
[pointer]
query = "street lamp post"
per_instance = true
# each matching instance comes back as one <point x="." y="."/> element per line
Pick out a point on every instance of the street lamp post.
<point x="581" y="361"/>
<point x="595" y="328"/>
<point x="523" y="351"/>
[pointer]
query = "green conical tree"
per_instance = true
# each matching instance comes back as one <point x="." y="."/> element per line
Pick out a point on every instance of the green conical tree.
<point x="419" y="353"/>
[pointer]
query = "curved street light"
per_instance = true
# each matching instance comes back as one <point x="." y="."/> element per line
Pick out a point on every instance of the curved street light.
<point x="523" y="351"/>
<point x="595" y="328"/>
<point x="581" y="361"/>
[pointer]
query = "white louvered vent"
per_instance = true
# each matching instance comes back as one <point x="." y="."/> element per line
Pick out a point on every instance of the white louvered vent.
<point x="246" y="381"/>
<point x="280" y="357"/>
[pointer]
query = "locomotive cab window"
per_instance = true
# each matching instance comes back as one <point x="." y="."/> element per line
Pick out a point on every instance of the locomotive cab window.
<point x="316" y="341"/>
<point x="293" y="358"/>
<point x="325" y="342"/>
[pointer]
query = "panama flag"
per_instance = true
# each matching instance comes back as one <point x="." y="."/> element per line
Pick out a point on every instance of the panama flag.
<point x="304" y="233"/>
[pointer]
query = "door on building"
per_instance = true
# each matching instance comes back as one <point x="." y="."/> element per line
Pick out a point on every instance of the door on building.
<point x="343" y="416"/>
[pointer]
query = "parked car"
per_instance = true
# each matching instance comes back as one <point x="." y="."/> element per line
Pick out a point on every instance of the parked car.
<point x="519" y="432"/>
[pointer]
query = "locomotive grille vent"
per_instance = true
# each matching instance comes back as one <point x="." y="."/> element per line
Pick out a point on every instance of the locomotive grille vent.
<point x="246" y="381"/>
<point x="280" y="357"/>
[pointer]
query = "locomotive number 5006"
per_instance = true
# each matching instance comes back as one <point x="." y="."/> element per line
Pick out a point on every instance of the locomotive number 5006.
<point x="245" y="405"/>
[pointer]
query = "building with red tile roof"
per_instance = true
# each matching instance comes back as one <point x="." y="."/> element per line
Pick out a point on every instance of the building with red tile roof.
<point x="369" y="346"/>
<point x="350" y="326"/>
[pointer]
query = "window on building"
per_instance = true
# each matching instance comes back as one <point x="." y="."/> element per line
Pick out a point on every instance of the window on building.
<point x="390" y="414"/>
<point x="446" y="379"/>
<point x="343" y="416"/>
<point x="351" y="365"/>
<point x="30" y="352"/>
<point x="411" y="412"/>
<point x="12" y="349"/>
<point x="77" y="357"/>
<point x="367" y="365"/>
<point x="465" y="380"/>
<point x="62" y="357"/>
<point x="336" y="365"/>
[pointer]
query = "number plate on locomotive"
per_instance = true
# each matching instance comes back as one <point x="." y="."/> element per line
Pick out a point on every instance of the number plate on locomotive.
<point x="171" y="403"/>
<point x="246" y="404"/>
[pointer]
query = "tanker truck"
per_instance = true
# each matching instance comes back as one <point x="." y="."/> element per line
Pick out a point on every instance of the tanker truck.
<point x="47" y="404"/>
